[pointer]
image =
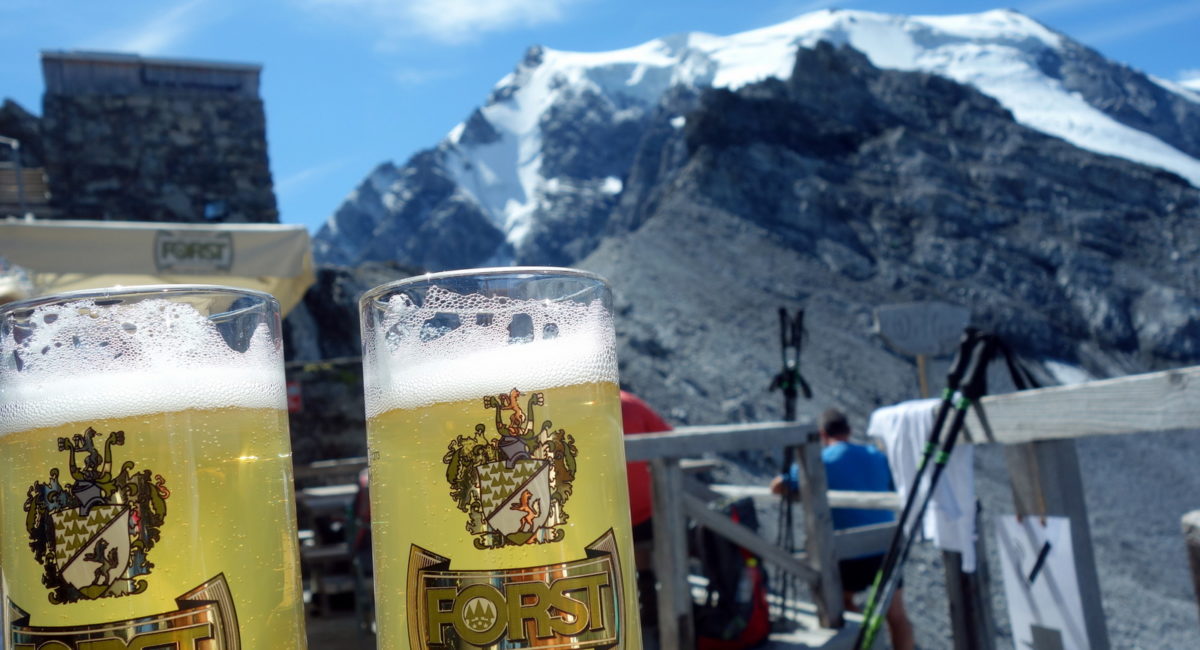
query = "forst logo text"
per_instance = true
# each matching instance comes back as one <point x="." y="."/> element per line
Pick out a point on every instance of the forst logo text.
<point x="186" y="638"/>
<point x="481" y="614"/>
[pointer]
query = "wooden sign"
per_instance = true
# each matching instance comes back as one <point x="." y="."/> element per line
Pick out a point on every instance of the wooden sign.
<point x="192" y="251"/>
<point x="1038" y="564"/>
<point x="922" y="328"/>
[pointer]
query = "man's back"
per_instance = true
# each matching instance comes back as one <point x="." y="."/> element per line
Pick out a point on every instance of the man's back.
<point x="860" y="468"/>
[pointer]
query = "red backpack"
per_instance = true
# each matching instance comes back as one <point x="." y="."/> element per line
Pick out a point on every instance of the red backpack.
<point x="733" y="614"/>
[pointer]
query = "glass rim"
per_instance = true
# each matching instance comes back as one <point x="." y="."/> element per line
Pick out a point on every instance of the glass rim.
<point x="147" y="290"/>
<point x="373" y="294"/>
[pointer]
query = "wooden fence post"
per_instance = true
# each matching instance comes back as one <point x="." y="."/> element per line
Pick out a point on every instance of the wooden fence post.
<point x="1191" y="535"/>
<point x="1047" y="481"/>
<point x="818" y="533"/>
<point x="675" y="624"/>
<point x="970" y="597"/>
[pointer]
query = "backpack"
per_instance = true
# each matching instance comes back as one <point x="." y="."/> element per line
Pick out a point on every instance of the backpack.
<point x="733" y="614"/>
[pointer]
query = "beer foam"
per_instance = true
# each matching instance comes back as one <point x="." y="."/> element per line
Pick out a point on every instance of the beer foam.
<point x="457" y="347"/>
<point x="83" y="361"/>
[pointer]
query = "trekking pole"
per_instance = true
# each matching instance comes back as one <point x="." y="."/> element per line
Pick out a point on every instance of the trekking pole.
<point x="1021" y="377"/>
<point x="958" y="367"/>
<point x="791" y="335"/>
<point x="971" y="390"/>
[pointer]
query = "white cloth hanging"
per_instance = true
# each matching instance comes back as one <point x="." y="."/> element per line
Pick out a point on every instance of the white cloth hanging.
<point x="950" y="522"/>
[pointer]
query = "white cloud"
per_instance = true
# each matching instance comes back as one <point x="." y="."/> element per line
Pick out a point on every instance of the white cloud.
<point x="1043" y="7"/>
<point x="815" y="5"/>
<point x="450" y="21"/>
<point x="1128" y="26"/>
<point x="296" y="180"/>
<point x="1190" y="79"/>
<point x="410" y="76"/>
<point x="161" y="33"/>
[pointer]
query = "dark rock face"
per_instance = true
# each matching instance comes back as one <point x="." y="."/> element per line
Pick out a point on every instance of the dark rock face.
<point x="571" y="228"/>
<point x="586" y="135"/>
<point x="589" y="141"/>
<point x="16" y="122"/>
<point x="847" y="187"/>
<point x="478" y="130"/>
<point x="322" y="344"/>
<point x="416" y="213"/>
<point x="193" y="157"/>
<point x="356" y="219"/>
<point x="438" y="225"/>
<point x="660" y="152"/>
<point x="325" y="323"/>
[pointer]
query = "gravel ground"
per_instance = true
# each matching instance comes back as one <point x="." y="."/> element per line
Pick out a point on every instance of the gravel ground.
<point x="1137" y="489"/>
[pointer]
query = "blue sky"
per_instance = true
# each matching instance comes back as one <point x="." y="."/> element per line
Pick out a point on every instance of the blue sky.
<point x="349" y="84"/>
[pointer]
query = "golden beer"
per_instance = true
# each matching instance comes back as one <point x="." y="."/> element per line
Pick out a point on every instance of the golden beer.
<point x="148" y="505"/>
<point x="499" y="505"/>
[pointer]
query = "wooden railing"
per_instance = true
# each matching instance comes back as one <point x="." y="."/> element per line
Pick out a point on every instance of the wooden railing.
<point x="678" y="498"/>
<point x="1039" y="428"/>
<point x="27" y="184"/>
<point x="23" y="191"/>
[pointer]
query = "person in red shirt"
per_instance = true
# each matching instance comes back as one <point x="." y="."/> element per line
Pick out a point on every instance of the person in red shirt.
<point x="637" y="417"/>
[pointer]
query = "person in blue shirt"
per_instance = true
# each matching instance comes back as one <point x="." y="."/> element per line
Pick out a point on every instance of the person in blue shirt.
<point x="860" y="468"/>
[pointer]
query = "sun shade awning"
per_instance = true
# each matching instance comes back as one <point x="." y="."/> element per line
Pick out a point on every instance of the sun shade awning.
<point x="71" y="255"/>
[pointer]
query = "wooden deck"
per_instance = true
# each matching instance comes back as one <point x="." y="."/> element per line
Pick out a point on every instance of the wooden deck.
<point x="807" y="631"/>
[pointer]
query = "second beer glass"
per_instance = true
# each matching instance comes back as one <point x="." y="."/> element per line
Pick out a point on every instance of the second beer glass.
<point x="500" y="513"/>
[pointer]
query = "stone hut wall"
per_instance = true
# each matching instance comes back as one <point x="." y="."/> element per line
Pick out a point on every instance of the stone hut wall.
<point x="135" y="139"/>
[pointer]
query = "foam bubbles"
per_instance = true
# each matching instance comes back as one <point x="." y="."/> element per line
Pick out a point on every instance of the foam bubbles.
<point x="85" y="359"/>
<point x="456" y="347"/>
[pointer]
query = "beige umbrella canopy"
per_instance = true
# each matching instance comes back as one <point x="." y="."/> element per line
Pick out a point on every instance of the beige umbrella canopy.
<point x="71" y="255"/>
<point x="11" y="289"/>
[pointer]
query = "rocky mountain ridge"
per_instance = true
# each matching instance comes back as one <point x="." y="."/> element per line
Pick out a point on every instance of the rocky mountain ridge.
<point x="850" y="186"/>
<point x="532" y="176"/>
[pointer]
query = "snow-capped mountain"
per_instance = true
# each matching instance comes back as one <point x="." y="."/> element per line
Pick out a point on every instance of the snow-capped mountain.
<point x="546" y="155"/>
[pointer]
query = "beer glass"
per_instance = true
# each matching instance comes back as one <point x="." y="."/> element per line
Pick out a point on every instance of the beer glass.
<point x="499" y="505"/>
<point x="145" y="472"/>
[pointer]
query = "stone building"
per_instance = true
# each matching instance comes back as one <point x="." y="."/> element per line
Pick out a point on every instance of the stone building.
<point x="140" y="139"/>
